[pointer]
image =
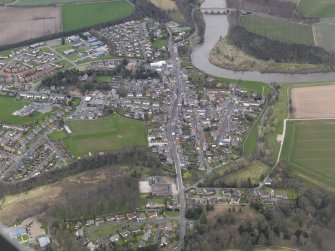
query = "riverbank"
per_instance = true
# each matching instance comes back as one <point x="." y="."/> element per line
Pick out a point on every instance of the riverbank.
<point x="229" y="57"/>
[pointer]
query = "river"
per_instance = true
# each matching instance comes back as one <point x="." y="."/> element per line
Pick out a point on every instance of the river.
<point x="217" y="26"/>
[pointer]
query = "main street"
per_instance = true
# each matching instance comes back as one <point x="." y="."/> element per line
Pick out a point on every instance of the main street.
<point x="175" y="105"/>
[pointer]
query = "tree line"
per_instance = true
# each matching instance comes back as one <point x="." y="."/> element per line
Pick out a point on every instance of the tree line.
<point x="71" y="77"/>
<point x="264" y="48"/>
<point x="132" y="157"/>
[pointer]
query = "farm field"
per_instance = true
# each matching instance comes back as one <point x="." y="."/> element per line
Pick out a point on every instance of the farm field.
<point x="309" y="151"/>
<point x="281" y="30"/>
<point x="108" y="134"/>
<point x="48" y="2"/>
<point x="77" y="16"/>
<point x="319" y="8"/>
<point x="28" y="23"/>
<point x="255" y="172"/>
<point x="165" y="4"/>
<point x="325" y="34"/>
<point x="9" y="105"/>
<point x="313" y="102"/>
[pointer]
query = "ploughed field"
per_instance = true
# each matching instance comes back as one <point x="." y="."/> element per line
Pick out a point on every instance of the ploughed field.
<point x="313" y="102"/>
<point x="279" y="29"/>
<point x="19" y="24"/>
<point x="309" y="151"/>
<point x="103" y="135"/>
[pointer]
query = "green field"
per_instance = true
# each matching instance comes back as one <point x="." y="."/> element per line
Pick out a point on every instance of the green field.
<point x="102" y="135"/>
<point x="159" y="43"/>
<point x="105" y="230"/>
<point x="309" y="151"/>
<point x="58" y="135"/>
<point x="48" y="2"/>
<point x="274" y="28"/>
<point x="9" y="105"/>
<point x="77" y="16"/>
<point x="325" y="34"/>
<point x="105" y="78"/>
<point x="178" y="17"/>
<point x="317" y="8"/>
<point x="255" y="172"/>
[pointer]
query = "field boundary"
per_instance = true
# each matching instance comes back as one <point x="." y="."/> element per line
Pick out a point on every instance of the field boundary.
<point x="314" y="35"/>
<point x="260" y="116"/>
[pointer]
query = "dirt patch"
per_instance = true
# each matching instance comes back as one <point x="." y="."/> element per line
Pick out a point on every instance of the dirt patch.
<point x="39" y="199"/>
<point x="18" y="24"/>
<point x="313" y="102"/>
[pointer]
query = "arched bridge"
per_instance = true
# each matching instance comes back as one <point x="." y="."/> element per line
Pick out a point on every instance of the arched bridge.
<point x="215" y="10"/>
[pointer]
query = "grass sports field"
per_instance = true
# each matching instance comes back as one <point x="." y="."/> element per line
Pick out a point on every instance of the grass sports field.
<point x="9" y="105"/>
<point x="309" y="151"/>
<point x="274" y="28"/>
<point x="317" y="8"/>
<point x="77" y="16"/>
<point x="104" y="135"/>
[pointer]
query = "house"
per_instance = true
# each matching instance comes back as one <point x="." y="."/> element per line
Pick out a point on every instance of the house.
<point x="125" y="233"/>
<point x="90" y="223"/>
<point x="44" y="241"/>
<point x="110" y="218"/>
<point x="152" y="215"/>
<point x="131" y="216"/>
<point x="80" y="233"/>
<point x="163" y="241"/>
<point x="17" y="232"/>
<point x="120" y="217"/>
<point x="99" y="220"/>
<point x="115" y="238"/>
<point x="83" y="241"/>
<point x="91" y="246"/>
<point x="106" y="242"/>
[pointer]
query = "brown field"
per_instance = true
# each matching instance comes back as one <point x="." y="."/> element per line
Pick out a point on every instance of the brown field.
<point x="313" y="102"/>
<point x="28" y="23"/>
<point x="38" y="199"/>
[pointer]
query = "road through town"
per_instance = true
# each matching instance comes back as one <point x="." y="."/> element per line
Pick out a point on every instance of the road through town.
<point x="175" y="105"/>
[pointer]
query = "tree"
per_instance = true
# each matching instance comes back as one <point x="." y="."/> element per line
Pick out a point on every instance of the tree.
<point x="203" y="218"/>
